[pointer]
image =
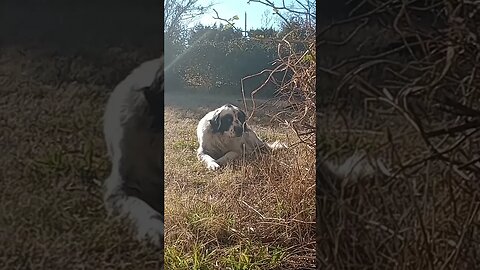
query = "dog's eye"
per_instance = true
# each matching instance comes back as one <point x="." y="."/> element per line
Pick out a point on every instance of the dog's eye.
<point x="228" y="119"/>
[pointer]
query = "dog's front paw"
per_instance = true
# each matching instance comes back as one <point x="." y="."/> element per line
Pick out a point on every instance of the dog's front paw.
<point x="151" y="230"/>
<point x="213" y="166"/>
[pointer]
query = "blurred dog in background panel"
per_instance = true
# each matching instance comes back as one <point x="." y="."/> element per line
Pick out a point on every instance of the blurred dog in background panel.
<point x="133" y="125"/>
<point x="332" y="176"/>
<point x="223" y="135"/>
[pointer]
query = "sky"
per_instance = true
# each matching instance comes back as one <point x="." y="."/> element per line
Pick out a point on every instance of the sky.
<point x="229" y="8"/>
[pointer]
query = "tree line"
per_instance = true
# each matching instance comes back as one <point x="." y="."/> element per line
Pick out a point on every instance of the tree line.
<point x="219" y="56"/>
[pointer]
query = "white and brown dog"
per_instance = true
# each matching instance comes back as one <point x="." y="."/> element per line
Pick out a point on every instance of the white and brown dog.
<point x="223" y="135"/>
<point x="133" y="125"/>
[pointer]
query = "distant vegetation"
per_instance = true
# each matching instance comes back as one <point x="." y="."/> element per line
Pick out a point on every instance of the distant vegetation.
<point x="219" y="56"/>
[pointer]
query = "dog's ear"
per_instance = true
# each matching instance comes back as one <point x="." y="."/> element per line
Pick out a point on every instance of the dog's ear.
<point x="215" y="122"/>
<point x="242" y="117"/>
<point x="154" y="95"/>
<point x="155" y="100"/>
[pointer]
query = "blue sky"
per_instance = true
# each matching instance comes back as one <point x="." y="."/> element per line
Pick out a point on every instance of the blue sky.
<point x="229" y="8"/>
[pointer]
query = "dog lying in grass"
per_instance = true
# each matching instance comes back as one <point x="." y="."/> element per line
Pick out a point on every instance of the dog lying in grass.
<point x="133" y="125"/>
<point x="223" y="136"/>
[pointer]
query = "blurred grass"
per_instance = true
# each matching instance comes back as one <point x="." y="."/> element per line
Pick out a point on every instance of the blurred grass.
<point x="53" y="161"/>
<point x="425" y="217"/>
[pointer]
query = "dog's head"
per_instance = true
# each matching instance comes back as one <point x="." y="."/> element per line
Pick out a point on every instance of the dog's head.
<point x="229" y="120"/>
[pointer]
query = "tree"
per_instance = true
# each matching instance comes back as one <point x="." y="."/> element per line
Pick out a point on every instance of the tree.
<point x="177" y="15"/>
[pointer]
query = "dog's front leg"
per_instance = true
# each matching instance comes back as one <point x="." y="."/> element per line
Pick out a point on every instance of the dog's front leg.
<point x="229" y="156"/>
<point x="210" y="162"/>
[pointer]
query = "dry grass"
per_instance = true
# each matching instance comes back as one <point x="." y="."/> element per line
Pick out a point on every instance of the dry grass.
<point x="425" y="217"/>
<point x="247" y="216"/>
<point x="53" y="159"/>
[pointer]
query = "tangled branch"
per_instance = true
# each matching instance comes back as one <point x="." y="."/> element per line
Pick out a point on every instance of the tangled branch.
<point x="412" y="68"/>
<point x="426" y="73"/>
<point x="294" y="75"/>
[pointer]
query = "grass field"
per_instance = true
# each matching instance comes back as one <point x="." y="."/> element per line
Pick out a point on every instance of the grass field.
<point x="54" y="160"/>
<point x="247" y="216"/>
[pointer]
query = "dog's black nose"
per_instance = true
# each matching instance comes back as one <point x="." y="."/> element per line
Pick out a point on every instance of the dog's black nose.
<point x="238" y="131"/>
